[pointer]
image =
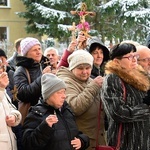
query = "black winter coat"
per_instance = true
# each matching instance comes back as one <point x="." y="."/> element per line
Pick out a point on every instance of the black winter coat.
<point x="96" y="72"/>
<point x="28" y="92"/>
<point x="37" y="135"/>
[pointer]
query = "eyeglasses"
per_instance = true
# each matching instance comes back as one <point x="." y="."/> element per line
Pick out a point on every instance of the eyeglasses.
<point x="145" y="60"/>
<point x="131" y="57"/>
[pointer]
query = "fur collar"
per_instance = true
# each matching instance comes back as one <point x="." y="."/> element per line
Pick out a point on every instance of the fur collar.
<point x="136" y="77"/>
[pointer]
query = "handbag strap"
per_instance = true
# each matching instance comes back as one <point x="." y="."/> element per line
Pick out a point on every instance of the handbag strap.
<point x="28" y="75"/>
<point x="15" y="90"/>
<point x="120" y="126"/>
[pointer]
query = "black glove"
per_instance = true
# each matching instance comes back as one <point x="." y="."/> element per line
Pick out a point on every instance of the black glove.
<point x="146" y="99"/>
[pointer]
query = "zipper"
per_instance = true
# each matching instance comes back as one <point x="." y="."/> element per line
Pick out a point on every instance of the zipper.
<point x="67" y="128"/>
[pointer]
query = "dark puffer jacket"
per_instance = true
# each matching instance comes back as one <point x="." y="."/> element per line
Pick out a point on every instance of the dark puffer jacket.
<point x="38" y="135"/>
<point x="28" y="92"/>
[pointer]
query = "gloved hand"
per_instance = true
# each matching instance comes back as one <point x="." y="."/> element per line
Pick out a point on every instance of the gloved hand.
<point x="146" y="99"/>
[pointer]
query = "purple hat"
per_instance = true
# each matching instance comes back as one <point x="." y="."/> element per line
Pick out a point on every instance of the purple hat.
<point x="27" y="43"/>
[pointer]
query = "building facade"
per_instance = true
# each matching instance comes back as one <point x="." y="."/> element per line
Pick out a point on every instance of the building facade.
<point x="12" y="26"/>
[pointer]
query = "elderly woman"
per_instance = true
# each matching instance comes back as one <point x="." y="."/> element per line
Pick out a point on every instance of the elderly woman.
<point x="51" y="124"/>
<point x="130" y="111"/>
<point x="83" y="93"/>
<point x="9" y="116"/>
<point x="30" y="66"/>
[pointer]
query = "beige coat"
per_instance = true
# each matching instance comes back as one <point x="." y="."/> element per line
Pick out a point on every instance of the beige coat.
<point x="7" y="137"/>
<point x="84" y="99"/>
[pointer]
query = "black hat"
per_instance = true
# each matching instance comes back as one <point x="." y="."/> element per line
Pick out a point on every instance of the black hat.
<point x="93" y="43"/>
<point x="2" y="53"/>
<point x="120" y="50"/>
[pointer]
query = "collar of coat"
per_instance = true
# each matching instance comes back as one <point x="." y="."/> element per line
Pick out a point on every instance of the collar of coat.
<point x="138" y="78"/>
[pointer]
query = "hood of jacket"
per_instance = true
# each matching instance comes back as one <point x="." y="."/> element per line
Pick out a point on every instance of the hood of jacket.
<point x="29" y="62"/>
<point x="137" y="78"/>
<point x="95" y="40"/>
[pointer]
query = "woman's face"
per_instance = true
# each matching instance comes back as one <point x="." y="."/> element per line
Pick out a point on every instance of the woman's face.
<point x="129" y="61"/>
<point x="35" y="53"/>
<point x="98" y="56"/>
<point x="82" y="72"/>
<point x="57" y="99"/>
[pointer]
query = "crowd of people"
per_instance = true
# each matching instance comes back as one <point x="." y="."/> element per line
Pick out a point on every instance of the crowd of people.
<point x="65" y="94"/>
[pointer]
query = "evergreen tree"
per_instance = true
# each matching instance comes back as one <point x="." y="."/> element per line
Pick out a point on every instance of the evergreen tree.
<point x="115" y="19"/>
<point x="125" y="19"/>
<point x="49" y="17"/>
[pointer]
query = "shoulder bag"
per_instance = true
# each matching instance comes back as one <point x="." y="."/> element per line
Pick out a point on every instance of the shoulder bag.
<point x="22" y="106"/>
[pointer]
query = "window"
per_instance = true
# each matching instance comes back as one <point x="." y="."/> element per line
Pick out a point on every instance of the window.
<point x="5" y="44"/>
<point x="3" y="33"/>
<point x="3" y="37"/>
<point x="3" y="2"/>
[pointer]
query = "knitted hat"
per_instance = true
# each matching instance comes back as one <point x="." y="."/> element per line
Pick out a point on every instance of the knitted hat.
<point x="27" y="43"/>
<point x="51" y="84"/>
<point x="80" y="57"/>
<point x="2" y="53"/>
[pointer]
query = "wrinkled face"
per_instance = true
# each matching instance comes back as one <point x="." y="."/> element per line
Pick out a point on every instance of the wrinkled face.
<point x="98" y="56"/>
<point x="144" y="60"/>
<point x="129" y="61"/>
<point x="35" y="53"/>
<point x="57" y="99"/>
<point x="53" y="57"/>
<point x="82" y="72"/>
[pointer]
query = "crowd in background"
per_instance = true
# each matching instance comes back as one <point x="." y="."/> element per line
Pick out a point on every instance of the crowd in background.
<point x="65" y="95"/>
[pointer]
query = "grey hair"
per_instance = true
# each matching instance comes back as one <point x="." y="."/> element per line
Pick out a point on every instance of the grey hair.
<point x="49" y="49"/>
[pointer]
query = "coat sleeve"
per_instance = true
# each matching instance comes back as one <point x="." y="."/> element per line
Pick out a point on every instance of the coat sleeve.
<point x="85" y="141"/>
<point x="63" y="60"/>
<point x="119" y="109"/>
<point x="17" y="114"/>
<point x="12" y="109"/>
<point x="81" y="100"/>
<point x="27" y="92"/>
<point x="36" y="132"/>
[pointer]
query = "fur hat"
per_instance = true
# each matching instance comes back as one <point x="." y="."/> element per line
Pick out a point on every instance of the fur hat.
<point x="80" y="57"/>
<point x="2" y="53"/>
<point x="27" y="43"/>
<point x="51" y="84"/>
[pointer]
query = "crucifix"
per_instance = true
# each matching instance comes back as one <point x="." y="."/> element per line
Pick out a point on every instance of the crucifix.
<point x="48" y="63"/>
<point x="83" y="25"/>
<point x="73" y="29"/>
